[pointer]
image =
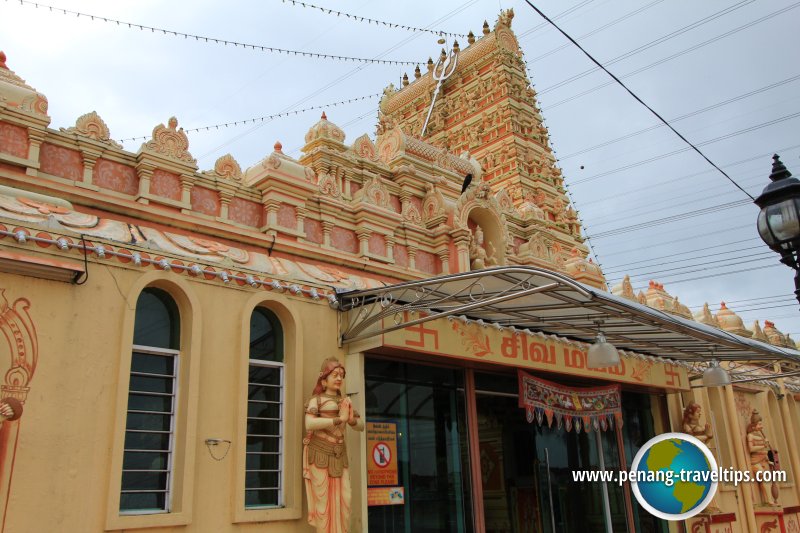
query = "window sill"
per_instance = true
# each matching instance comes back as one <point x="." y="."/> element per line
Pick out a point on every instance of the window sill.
<point x="141" y="521"/>
<point x="266" y="514"/>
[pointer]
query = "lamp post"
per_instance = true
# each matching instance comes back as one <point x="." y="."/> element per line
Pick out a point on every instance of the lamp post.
<point x="779" y="219"/>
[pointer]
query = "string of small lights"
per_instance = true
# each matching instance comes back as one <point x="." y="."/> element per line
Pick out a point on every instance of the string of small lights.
<point x="214" y="40"/>
<point x="359" y="18"/>
<point x="266" y="117"/>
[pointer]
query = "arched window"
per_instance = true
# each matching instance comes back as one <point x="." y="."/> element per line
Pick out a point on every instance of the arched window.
<point x="265" y="410"/>
<point x="149" y="429"/>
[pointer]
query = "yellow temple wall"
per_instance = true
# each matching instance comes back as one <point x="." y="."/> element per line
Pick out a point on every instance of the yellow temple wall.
<point x="69" y="449"/>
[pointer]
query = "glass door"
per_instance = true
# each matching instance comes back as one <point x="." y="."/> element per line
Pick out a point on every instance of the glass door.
<point x="427" y="405"/>
<point x="527" y="469"/>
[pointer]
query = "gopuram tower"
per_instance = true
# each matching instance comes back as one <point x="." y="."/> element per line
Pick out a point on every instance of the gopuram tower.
<point x="486" y="112"/>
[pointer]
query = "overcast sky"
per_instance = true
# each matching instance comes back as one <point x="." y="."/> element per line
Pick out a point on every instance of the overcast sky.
<point x="651" y="208"/>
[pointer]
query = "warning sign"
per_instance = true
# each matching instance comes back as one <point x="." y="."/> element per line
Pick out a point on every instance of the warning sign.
<point x="382" y="447"/>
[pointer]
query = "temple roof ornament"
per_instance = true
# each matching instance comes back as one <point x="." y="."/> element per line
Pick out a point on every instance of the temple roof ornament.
<point x="92" y="126"/>
<point x="658" y="298"/>
<point x="624" y="289"/>
<point x="226" y="167"/>
<point x="758" y="333"/>
<point x="583" y="269"/>
<point x="170" y="141"/>
<point x="364" y="147"/>
<point x="504" y="19"/>
<point x="15" y="93"/>
<point x="730" y="321"/>
<point x="324" y="129"/>
<point x="774" y="336"/>
<point x="704" y="316"/>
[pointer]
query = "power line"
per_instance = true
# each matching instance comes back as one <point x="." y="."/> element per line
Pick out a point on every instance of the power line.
<point x="359" y="18"/>
<point x="682" y="117"/>
<point x="749" y="182"/>
<point x="729" y="261"/>
<point x="768" y="307"/>
<point x="693" y="147"/>
<point x="653" y="111"/>
<point x="642" y="48"/>
<point x="722" y="274"/>
<point x="673" y="56"/>
<point x="671" y="200"/>
<point x="692" y="238"/>
<point x="557" y="17"/>
<point x="598" y="30"/>
<point x="672" y="218"/>
<point x="687" y="176"/>
<point x="215" y="40"/>
<point x="752" y="299"/>
<point x="617" y="270"/>
<point x="687" y="252"/>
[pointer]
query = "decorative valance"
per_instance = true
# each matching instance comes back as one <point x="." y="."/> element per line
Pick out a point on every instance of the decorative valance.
<point x="572" y="407"/>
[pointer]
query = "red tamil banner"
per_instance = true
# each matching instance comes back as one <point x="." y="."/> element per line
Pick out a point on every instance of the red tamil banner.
<point x="572" y="407"/>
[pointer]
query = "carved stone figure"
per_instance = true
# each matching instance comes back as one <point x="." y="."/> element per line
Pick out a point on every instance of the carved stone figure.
<point x="760" y="453"/>
<point x="479" y="256"/>
<point x="325" y="466"/>
<point x="692" y="426"/>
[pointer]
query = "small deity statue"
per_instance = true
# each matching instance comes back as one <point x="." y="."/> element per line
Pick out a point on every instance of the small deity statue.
<point x="478" y="254"/>
<point x="325" y="466"/>
<point x="760" y="455"/>
<point x="10" y="409"/>
<point x="691" y="423"/>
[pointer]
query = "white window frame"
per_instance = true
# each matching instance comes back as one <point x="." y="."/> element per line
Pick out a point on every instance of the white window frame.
<point x="164" y="352"/>
<point x="281" y="433"/>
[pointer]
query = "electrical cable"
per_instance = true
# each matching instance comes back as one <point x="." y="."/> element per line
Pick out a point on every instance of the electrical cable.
<point x="722" y="274"/>
<point x="673" y="56"/>
<point x="619" y="270"/>
<point x="757" y="257"/>
<point x="563" y="14"/>
<point x="692" y="238"/>
<point x="598" y="30"/>
<point x="672" y="218"/>
<point x="752" y="299"/>
<point x="650" y="186"/>
<point x="672" y="203"/>
<point x="682" y="117"/>
<point x="646" y="46"/>
<point x="692" y="147"/>
<point x="696" y="149"/>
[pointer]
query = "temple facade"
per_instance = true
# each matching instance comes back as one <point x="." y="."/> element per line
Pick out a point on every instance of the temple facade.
<point x="164" y="327"/>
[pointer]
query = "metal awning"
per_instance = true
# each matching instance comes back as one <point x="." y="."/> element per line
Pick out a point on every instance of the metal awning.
<point x="529" y="298"/>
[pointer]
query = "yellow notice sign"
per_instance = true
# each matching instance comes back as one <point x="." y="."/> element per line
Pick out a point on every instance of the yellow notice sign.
<point x="385" y="496"/>
<point x="381" y="454"/>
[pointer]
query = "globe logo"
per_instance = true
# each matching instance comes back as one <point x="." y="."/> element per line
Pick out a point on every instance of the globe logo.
<point x="674" y="476"/>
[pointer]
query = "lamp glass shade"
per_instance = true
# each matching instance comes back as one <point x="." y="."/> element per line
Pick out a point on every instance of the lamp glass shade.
<point x="716" y="376"/>
<point x="602" y="354"/>
<point x="778" y="223"/>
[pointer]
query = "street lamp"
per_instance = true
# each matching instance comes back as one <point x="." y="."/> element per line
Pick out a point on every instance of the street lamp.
<point x="779" y="219"/>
